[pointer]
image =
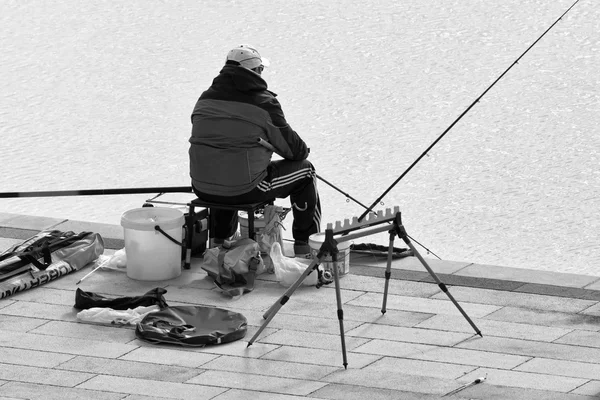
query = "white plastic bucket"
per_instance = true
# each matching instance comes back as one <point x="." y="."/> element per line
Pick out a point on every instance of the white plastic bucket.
<point x="151" y="256"/>
<point x="343" y="259"/>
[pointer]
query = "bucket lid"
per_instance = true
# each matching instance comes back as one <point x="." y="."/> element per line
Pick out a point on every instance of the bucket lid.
<point x="146" y="218"/>
<point x="316" y="240"/>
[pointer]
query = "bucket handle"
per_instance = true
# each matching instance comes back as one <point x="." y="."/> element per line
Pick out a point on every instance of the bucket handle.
<point x="158" y="228"/>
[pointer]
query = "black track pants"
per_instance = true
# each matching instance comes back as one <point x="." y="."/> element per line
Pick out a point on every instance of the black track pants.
<point x="294" y="179"/>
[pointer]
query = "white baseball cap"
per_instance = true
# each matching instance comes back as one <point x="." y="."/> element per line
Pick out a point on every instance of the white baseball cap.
<point x="247" y="56"/>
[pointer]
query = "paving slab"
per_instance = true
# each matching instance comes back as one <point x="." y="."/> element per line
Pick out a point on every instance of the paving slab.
<point x="51" y="392"/>
<point x="36" y="309"/>
<point x="30" y="341"/>
<point x="546" y="318"/>
<point x="102" y="332"/>
<point x="561" y="368"/>
<point x="451" y="355"/>
<point x="386" y="379"/>
<point x="238" y="348"/>
<point x="416" y="304"/>
<point x="406" y="366"/>
<point x="581" y="338"/>
<point x="411" y="335"/>
<point x="168" y="356"/>
<point x="587" y="293"/>
<point x="395" y="348"/>
<point x="399" y="287"/>
<point x="33" y="358"/>
<point x="256" y="319"/>
<point x="521" y="300"/>
<point x="46" y="295"/>
<point x="269" y="368"/>
<point x="18" y="323"/>
<point x="328" y="357"/>
<point x="236" y="394"/>
<point x="355" y="392"/>
<point x="374" y="315"/>
<point x="49" y="376"/>
<point x="27" y="222"/>
<point x="413" y="264"/>
<point x="488" y="391"/>
<point x="525" y="380"/>
<point x="146" y="387"/>
<point x="130" y="369"/>
<point x="592" y="388"/>
<point x="489" y="327"/>
<point x="312" y="339"/>
<point x="251" y="381"/>
<point x="532" y="348"/>
<point x="592" y="310"/>
<point x="528" y="275"/>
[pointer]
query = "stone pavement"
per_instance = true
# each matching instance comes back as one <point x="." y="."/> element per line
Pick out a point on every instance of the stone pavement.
<point x="541" y="336"/>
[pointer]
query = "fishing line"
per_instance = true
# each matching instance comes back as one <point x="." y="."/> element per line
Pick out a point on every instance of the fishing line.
<point x="461" y="115"/>
<point x="361" y="204"/>
<point x="348" y="197"/>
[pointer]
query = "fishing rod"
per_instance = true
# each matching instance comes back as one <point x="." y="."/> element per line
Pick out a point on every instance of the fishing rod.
<point x="461" y="115"/>
<point x="361" y="204"/>
<point x="348" y="197"/>
<point x="97" y="192"/>
<point x="269" y="146"/>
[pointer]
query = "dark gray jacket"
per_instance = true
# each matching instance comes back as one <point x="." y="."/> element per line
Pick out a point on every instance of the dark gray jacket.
<point x="225" y="156"/>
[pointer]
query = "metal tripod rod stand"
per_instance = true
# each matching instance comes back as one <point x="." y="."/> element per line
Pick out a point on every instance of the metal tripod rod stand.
<point x="398" y="229"/>
<point x="375" y="225"/>
<point x="329" y="246"/>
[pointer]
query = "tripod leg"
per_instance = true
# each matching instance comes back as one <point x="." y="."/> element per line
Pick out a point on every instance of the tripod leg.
<point x="284" y="298"/>
<point x="340" y="312"/>
<point x="441" y="285"/>
<point x="388" y="271"/>
<point x="268" y="316"/>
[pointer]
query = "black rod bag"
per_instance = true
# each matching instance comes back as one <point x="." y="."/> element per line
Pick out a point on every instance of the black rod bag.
<point x="195" y="326"/>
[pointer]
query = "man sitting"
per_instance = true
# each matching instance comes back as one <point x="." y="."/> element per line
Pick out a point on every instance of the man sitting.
<point x="228" y="165"/>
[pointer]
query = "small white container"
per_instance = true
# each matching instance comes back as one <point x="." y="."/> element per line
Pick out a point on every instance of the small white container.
<point x="151" y="256"/>
<point x="343" y="259"/>
<point x="259" y="224"/>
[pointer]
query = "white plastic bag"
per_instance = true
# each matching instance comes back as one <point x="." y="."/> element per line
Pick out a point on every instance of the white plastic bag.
<point x="106" y="315"/>
<point x="118" y="261"/>
<point x="288" y="270"/>
<point x="271" y="233"/>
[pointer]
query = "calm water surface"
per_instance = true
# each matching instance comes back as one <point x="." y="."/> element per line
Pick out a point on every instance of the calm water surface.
<point x="99" y="95"/>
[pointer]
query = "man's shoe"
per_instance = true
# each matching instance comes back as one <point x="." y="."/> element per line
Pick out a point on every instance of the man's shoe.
<point x="301" y="248"/>
<point x="224" y="243"/>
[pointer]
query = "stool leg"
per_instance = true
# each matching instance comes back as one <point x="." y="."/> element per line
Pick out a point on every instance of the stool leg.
<point x="251" y="234"/>
<point x="189" y="236"/>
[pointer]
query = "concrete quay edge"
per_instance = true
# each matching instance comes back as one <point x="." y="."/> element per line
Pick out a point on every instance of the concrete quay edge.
<point x="21" y="227"/>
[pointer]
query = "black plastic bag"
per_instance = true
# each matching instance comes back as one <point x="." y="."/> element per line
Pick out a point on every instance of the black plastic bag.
<point x="85" y="300"/>
<point x="195" y="326"/>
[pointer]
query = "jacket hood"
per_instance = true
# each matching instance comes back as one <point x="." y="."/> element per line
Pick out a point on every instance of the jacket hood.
<point x="241" y="78"/>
